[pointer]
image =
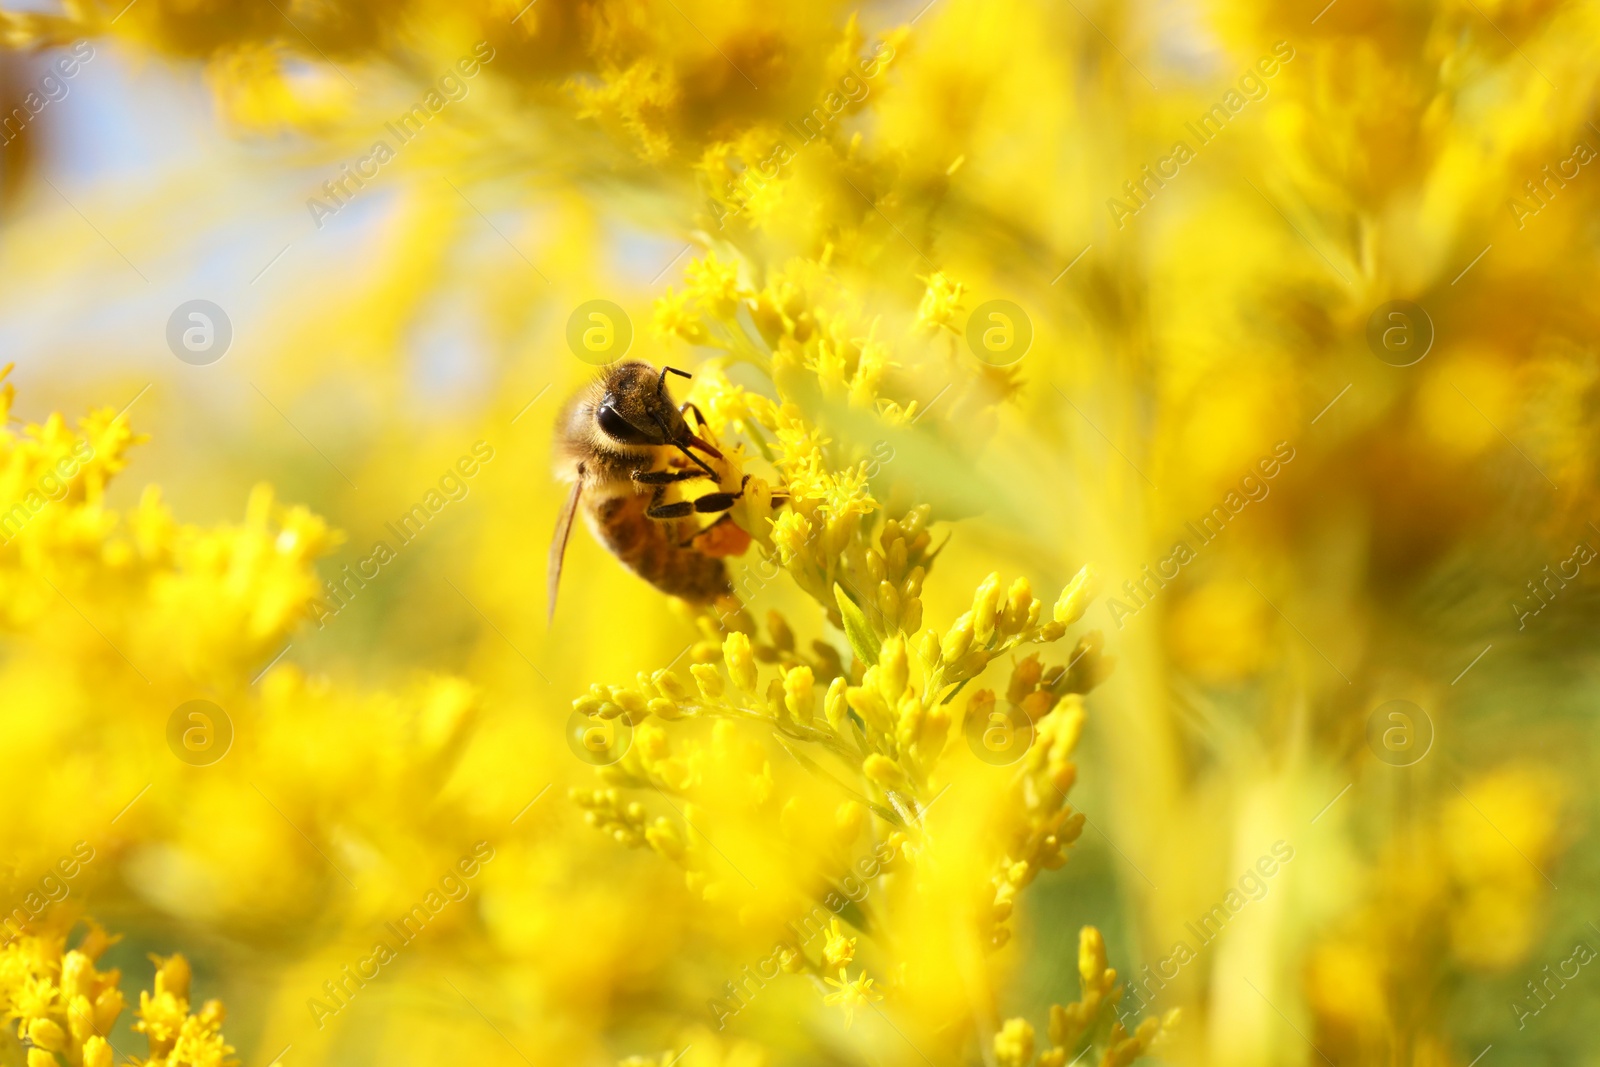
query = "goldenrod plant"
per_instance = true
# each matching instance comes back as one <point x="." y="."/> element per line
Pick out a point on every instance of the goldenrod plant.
<point x="65" y="1008"/>
<point x="820" y="770"/>
<point x="1139" y="461"/>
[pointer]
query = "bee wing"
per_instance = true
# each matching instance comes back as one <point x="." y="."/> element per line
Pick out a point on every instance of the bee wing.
<point x="558" y="546"/>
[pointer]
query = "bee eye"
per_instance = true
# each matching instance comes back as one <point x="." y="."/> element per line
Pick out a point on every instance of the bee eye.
<point x="617" y="428"/>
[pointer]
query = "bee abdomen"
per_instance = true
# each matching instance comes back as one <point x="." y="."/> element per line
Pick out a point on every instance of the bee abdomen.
<point x="650" y="549"/>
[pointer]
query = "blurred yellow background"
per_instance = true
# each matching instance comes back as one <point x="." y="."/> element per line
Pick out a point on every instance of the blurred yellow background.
<point x="1310" y="383"/>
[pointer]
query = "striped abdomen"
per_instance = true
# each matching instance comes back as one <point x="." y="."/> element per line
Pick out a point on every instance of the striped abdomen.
<point x="650" y="549"/>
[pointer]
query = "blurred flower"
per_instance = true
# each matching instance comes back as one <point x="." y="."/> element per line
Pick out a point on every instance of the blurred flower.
<point x="851" y="993"/>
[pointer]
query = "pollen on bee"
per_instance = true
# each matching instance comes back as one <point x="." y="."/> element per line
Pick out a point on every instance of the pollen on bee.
<point x="722" y="538"/>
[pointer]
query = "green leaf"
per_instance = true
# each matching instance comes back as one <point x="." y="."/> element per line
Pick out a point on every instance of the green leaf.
<point x="952" y="694"/>
<point x="862" y="640"/>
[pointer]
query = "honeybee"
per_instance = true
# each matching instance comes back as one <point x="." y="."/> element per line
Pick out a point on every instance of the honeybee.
<point x="621" y="442"/>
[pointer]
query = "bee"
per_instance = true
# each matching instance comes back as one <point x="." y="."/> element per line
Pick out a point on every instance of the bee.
<point x="622" y="442"/>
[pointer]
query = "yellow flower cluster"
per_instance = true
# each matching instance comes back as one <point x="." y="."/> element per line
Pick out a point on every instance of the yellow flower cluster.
<point x="875" y="732"/>
<point x="856" y="190"/>
<point x="64" y="1007"/>
<point x="1071" y="1024"/>
<point x="1474" y="887"/>
<point x="216" y="602"/>
<point x="114" y="618"/>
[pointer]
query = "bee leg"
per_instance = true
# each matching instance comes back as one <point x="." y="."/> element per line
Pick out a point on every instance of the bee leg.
<point x="709" y="504"/>
<point x="667" y="512"/>
<point x="712" y="503"/>
<point x="664" y="477"/>
<point x="661" y="479"/>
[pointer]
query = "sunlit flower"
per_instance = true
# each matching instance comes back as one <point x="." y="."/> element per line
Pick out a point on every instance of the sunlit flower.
<point x="851" y="993"/>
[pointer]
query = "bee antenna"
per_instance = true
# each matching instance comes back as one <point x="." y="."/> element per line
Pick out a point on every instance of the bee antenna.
<point x="674" y="370"/>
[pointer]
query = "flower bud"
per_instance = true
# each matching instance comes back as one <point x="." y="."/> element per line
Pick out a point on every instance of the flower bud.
<point x="911" y="614"/>
<point x="80" y="1018"/>
<point x="741" y="664"/>
<point x="1013" y="1045"/>
<point x="96" y="1052"/>
<point x="893" y="670"/>
<point x="670" y="685"/>
<point x="985" y="607"/>
<point x="708" y="678"/>
<point x="47" y="1033"/>
<point x="1037" y="704"/>
<point x="213" y="1014"/>
<point x="77" y="972"/>
<point x="958" y="640"/>
<point x="908" y="720"/>
<point x="1024" y="679"/>
<point x="884" y="771"/>
<point x="172" y="975"/>
<point x="1075" y="597"/>
<point x="665" y="709"/>
<point x="897" y="556"/>
<point x="969" y="666"/>
<point x="867" y="702"/>
<point x="799" y="694"/>
<point x="913" y="583"/>
<point x="888" y="603"/>
<point x="835" y="707"/>
<point x="1091" y="957"/>
<point x="1018" y="600"/>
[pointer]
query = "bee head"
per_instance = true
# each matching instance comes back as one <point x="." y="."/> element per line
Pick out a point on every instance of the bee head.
<point x="636" y="409"/>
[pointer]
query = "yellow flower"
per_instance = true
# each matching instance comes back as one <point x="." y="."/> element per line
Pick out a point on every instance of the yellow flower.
<point x="1013" y="1044"/>
<point x="714" y="285"/>
<point x="199" y="1044"/>
<point x="839" y="950"/>
<point x="60" y="1019"/>
<point x="851" y="993"/>
<point x="673" y="317"/>
<point x="941" y="301"/>
<point x="161" y="1016"/>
